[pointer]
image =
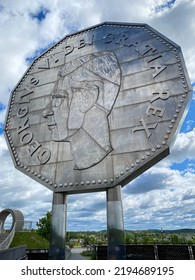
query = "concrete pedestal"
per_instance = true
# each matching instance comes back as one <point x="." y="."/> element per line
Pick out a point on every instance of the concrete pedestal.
<point x="58" y="227"/>
<point x="115" y="225"/>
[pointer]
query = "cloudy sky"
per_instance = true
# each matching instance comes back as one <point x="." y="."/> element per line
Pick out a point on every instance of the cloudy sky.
<point x="162" y="197"/>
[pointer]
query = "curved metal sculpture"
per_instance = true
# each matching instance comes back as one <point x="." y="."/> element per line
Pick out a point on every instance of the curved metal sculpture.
<point x="17" y="218"/>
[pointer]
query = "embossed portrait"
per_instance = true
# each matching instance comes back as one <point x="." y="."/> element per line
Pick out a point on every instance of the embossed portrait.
<point x="81" y="101"/>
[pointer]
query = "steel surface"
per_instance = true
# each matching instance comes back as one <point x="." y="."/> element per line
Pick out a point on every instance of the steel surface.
<point x="98" y="108"/>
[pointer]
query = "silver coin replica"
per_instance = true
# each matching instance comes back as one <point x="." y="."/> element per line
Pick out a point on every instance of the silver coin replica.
<point x="98" y="108"/>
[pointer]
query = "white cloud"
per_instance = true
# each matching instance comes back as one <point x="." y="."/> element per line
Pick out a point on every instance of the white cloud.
<point x="21" y="34"/>
<point x="163" y="206"/>
<point x="163" y="197"/>
<point x="184" y="147"/>
<point x="20" y="192"/>
<point x="177" y="24"/>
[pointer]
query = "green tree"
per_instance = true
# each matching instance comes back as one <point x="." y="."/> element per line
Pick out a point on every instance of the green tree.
<point x="128" y="238"/>
<point x="146" y="239"/>
<point x="135" y="240"/>
<point x="175" y="239"/>
<point x="44" y="225"/>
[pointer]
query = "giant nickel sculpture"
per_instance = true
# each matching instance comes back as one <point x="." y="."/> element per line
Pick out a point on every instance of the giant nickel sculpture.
<point x="98" y="108"/>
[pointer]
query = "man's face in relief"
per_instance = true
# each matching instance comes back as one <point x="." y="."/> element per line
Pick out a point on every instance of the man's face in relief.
<point x="57" y="112"/>
<point x="81" y="100"/>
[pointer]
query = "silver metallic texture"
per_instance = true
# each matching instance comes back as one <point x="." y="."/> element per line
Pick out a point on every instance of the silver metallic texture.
<point x="98" y="108"/>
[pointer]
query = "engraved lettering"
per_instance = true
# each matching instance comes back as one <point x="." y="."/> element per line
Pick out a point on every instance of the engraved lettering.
<point x="146" y="49"/>
<point x="27" y="91"/>
<point x="136" y="46"/>
<point x="22" y="112"/>
<point x="109" y="38"/>
<point x="23" y="126"/>
<point x="82" y="44"/>
<point x="33" y="147"/>
<point x="91" y="40"/>
<point x="158" y="69"/>
<point x="145" y="127"/>
<point x="54" y="58"/>
<point x="154" y="110"/>
<point x="27" y="137"/>
<point x="44" y="155"/>
<point x="34" y="81"/>
<point x="123" y="40"/>
<point x="163" y="94"/>
<point x="68" y="49"/>
<point x="154" y="58"/>
<point x="45" y="65"/>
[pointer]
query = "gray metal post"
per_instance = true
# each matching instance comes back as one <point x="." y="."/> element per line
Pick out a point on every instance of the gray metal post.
<point x="115" y="224"/>
<point x="58" y="227"/>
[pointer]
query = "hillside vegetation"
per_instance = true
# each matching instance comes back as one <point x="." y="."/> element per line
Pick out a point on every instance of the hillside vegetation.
<point x="30" y="239"/>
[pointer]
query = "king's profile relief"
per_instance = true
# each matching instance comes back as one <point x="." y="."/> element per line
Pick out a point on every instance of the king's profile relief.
<point x="81" y="101"/>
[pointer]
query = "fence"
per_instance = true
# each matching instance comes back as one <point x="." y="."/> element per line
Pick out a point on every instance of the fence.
<point x="37" y="254"/>
<point x="152" y="252"/>
<point x="16" y="253"/>
<point x="43" y="254"/>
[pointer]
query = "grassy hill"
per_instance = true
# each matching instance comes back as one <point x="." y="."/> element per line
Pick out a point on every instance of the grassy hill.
<point x="30" y="239"/>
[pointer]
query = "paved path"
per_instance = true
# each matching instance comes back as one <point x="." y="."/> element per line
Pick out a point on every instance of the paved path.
<point x="76" y="253"/>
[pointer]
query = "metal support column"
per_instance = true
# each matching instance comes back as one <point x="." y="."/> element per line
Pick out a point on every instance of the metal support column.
<point x="115" y="224"/>
<point x="58" y="227"/>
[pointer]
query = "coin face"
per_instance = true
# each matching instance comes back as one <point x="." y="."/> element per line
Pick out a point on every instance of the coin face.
<point x="98" y="108"/>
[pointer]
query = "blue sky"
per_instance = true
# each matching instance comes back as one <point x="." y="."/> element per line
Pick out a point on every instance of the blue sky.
<point x="2" y="108"/>
<point x="162" y="197"/>
<point x="164" y="5"/>
<point x="41" y="14"/>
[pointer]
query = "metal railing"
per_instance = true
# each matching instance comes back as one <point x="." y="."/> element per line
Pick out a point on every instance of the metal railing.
<point x="1" y="226"/>
<point x="16" y="253"/>
<point x="43" y="254"/>
<point x="153" y="252"/>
